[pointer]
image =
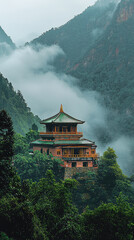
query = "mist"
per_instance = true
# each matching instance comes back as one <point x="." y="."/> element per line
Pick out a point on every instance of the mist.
<point x="5" y="49"/>
<point x="32" y="72"/>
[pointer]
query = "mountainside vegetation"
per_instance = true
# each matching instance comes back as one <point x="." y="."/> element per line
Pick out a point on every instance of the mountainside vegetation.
<point x="15" y="105"/>
<point x="79" y="34"/>
<point x="44" y="208"/>
<point x="109" y="67"/>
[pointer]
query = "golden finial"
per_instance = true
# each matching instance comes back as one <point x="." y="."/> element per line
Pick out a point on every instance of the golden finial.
<point x="61" y="108"/>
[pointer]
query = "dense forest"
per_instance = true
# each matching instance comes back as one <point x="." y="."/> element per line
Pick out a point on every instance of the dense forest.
<point x="108" y="68"/>
<point x="14" y="103"/>
<point x="37" y="203"/>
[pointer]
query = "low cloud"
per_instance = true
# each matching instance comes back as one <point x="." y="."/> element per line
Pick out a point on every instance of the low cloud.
<point x="124" y="150"/>
<point x="97" y="32"/>
<point x="5" y="49"/>
<point x="32" y="72"/>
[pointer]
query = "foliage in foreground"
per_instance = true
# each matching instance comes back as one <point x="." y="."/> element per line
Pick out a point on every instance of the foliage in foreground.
<point x="104" y="185"/>
<point x="44" y="210"/>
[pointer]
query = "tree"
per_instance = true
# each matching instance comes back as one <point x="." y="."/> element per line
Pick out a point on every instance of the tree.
<point x="34" y="127"/>
<point x="109" y="221"/>
<point x="6" y="136"/>
<point x="31" y="136"/>
<point x="35" y="166"/>
<point x="109" y="170"/>
<point x="6" y="151"/>
<point x="69" y="227"/>
<point x="3" y="236"/>
<point x="102" y="185"/>
<point x="20" y="144"/>
<point x="18" y="219"/>
<point x="52" y="201"/>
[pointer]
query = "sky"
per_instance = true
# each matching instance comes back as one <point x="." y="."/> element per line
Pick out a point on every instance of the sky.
<point x="24" y="20"/>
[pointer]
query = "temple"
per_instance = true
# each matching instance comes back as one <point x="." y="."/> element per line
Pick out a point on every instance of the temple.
<point x="62" y="140"/>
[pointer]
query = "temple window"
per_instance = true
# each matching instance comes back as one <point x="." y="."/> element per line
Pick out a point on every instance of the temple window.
<point x="76" y="151"/>
<point x="47" y="151"/>
<point x="65" y="152"/>
<point x="92" y="151"/>
<point x="64" y="129"/>
<point x="68" y="129"/>
<point x="58" y="152"/>
<point x="41" y="150"/>
<point x="57" y="129"/>
<point x="73" y="164"/>
<point x="85" y="164"/>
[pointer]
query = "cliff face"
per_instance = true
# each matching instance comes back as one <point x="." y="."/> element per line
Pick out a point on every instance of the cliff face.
<point x="117" y="39"/>
<point x="126" y="11"/>
<point x="108" y="67"/>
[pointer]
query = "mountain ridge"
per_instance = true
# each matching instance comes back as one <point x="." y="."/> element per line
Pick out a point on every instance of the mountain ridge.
<point x="6" y="43"/>
<point x="108" y="66"/>
<point x="14" y="104"/>
<point x="77" y="35"/>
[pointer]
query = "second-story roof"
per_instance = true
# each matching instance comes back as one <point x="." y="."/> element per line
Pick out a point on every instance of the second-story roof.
<point x="61" y="117"/>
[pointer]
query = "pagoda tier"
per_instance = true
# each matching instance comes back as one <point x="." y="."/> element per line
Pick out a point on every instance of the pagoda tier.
<point x="62" y="140"/>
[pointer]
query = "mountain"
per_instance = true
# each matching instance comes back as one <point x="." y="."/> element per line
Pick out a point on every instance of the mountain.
<point x="98" y="46"/>
<point x="108" y="67"/>
<point x="6" y="44"/>
<point x="16" y="107"/>
<point x="80" y="33"/>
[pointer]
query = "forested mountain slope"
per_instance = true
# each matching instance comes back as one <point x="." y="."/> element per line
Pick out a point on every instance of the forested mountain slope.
<point x="80" y="33"/>
<point x="16" y="107"/>
<point x="109" y="66"/>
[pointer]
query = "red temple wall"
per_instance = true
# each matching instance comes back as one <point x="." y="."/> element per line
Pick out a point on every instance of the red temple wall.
<point x="53" y="151"/>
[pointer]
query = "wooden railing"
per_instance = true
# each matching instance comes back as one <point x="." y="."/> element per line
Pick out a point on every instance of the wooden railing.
<point x="80" y="155"/>
<point x="49" y="133"/>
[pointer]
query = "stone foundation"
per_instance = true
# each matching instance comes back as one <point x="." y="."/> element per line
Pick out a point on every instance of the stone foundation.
<point x="70" y="172"/>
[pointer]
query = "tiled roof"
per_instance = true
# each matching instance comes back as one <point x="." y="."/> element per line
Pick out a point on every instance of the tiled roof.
<point x="61" y="117"/>
<point x="63" y="142"/>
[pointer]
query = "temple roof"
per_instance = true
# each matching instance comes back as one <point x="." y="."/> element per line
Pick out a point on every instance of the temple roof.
<point x="64" y="142"/>
<point x="61" y="117"/>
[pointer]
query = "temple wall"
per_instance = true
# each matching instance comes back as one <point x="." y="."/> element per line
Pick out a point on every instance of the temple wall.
<point x="79" y="164"/>
<point x="35" y="148"/>
<point x="52" y="151"/>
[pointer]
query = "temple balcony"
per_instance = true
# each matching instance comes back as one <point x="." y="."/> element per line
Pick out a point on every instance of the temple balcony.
<point x="80" y="156"/>
<point x="61" y="133"/>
